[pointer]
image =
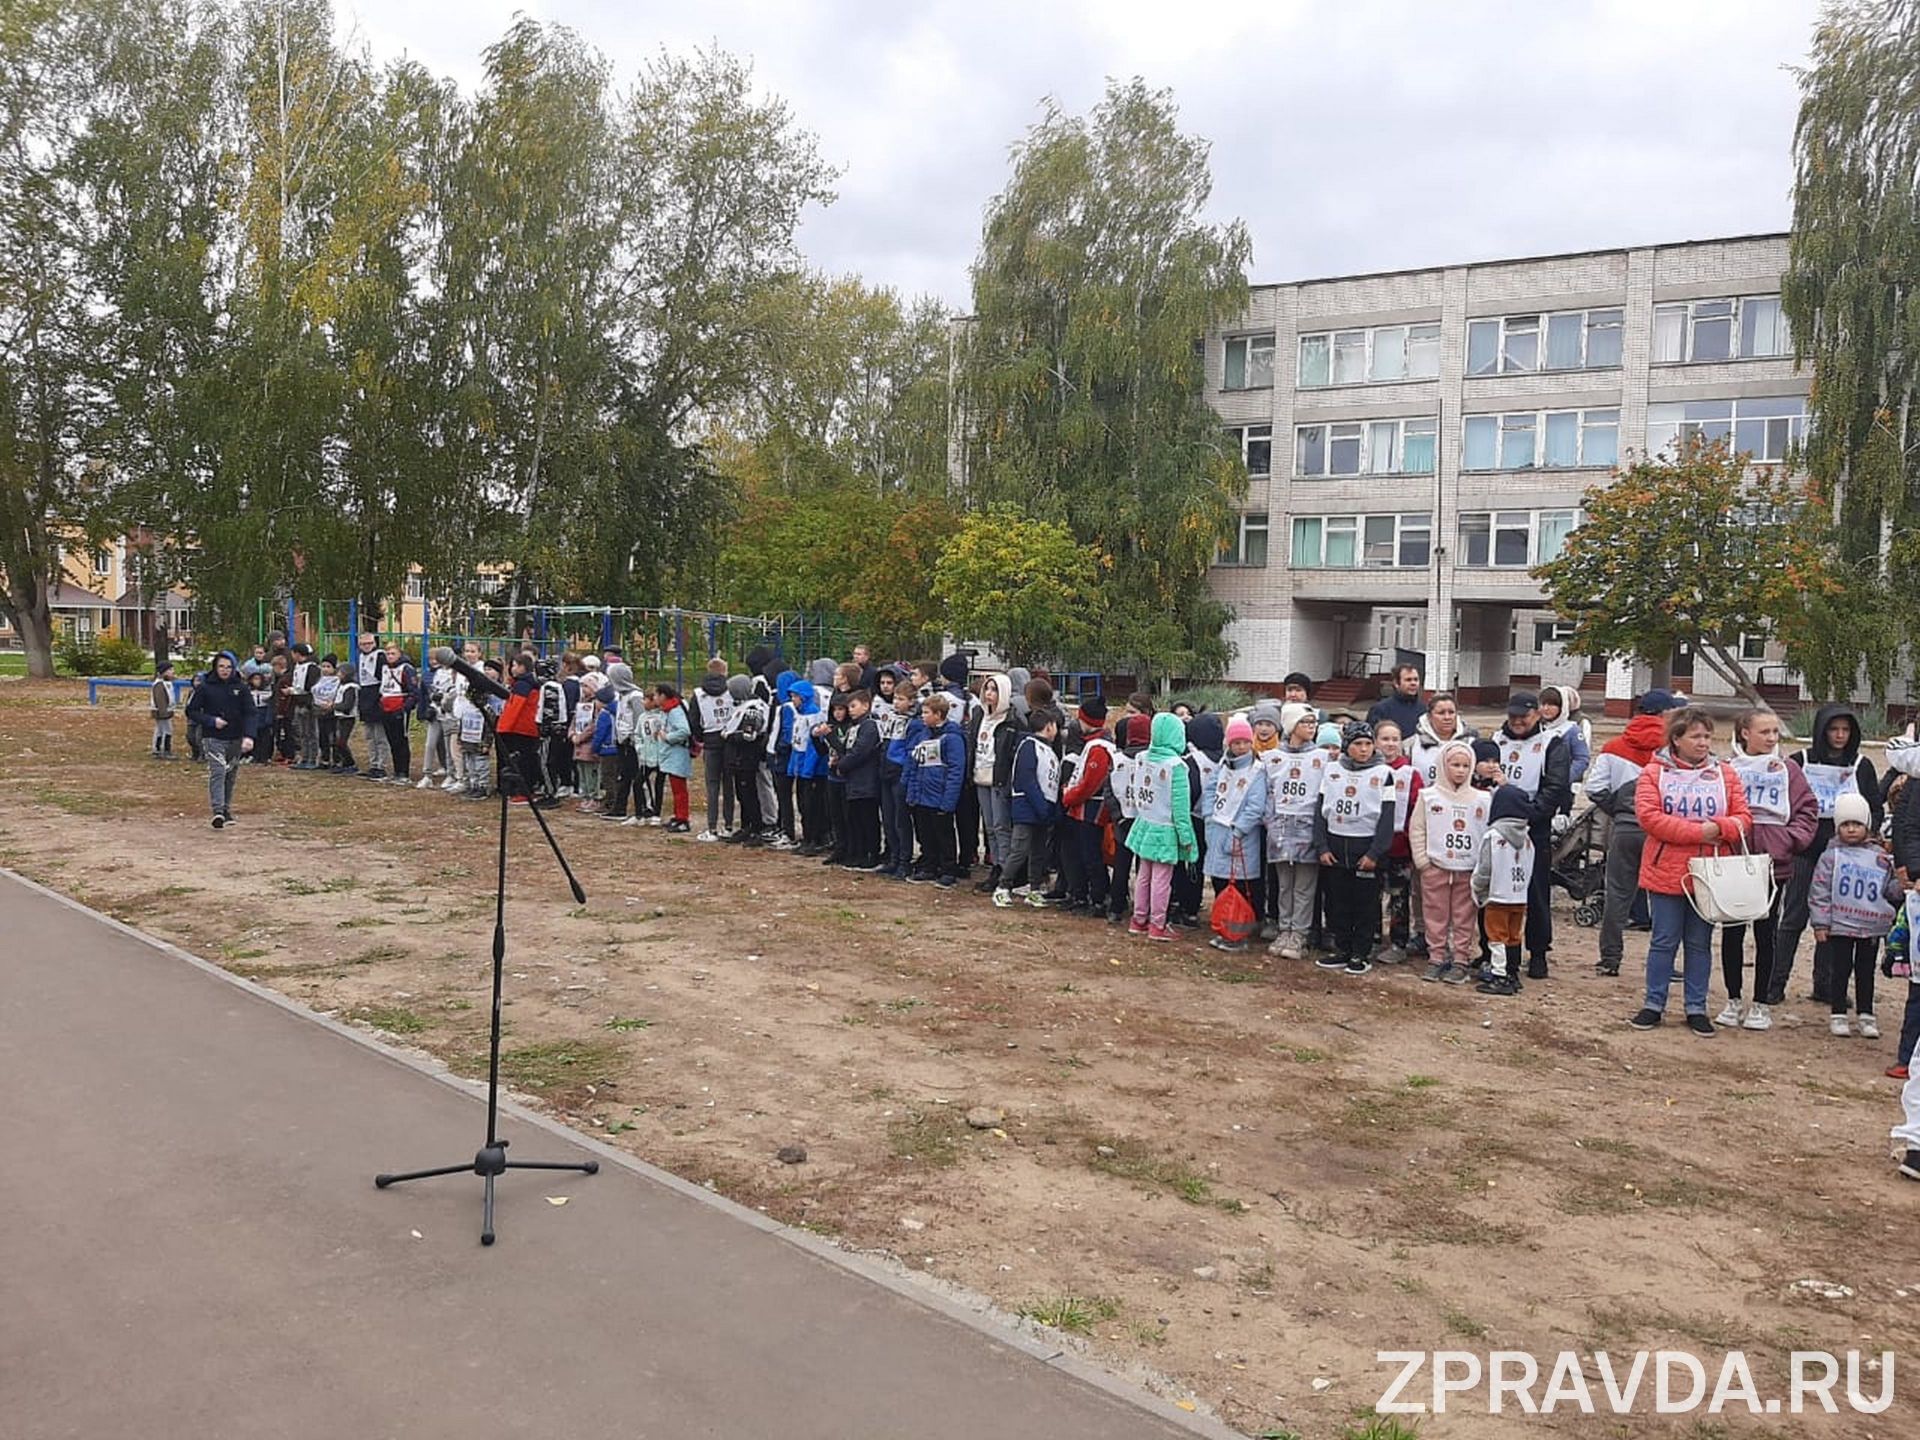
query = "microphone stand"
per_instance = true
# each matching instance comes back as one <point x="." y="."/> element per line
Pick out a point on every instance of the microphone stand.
<point x="491" y="1161"/>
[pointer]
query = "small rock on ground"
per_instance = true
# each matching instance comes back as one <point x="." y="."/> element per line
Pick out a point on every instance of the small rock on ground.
<point x="984" y="1117"/>
<point x="791" y="1155"/>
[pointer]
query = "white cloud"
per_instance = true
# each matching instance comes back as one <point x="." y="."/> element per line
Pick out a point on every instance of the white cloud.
<point x="1350" y="137"/>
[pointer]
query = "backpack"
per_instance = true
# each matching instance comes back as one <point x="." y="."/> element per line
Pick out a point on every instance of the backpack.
<point x="553" y="708"/>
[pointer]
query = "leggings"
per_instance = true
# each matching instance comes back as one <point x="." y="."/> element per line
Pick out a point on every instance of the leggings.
<point x="1732" y="953"/>
<point x="1152" y="887"/>
<point x="1851" y="956"/>
<point x="679" y="798"/>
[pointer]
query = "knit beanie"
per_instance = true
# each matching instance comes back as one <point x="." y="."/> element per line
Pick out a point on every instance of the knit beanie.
<point x="1290" y="717"/>
<point x="1854" y="808"/>
<point x="954" y="669"/>
<point x="1239" y="729"/>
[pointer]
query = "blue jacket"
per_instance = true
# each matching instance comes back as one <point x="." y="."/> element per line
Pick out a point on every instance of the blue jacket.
<point x="1245" y="826"/>
<point x="936" y="767"/>
<point x="603" y="741"/>
<point x="808" y="761"/>
<point x="676" y="756"/>
<point x="1030" y="803"/>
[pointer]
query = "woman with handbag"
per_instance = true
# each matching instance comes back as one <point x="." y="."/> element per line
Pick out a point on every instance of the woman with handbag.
<point x="1786" y="814"/>
<point x="1691" y="807"/>
<point x="1235" y="804"/>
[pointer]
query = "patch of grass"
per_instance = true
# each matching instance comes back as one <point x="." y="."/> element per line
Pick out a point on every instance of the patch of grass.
<point x="379" y="955"/>
<point x="928" y="1137"/>
<point x="1278" y="1434"/>
<point x="1828" y="1089"/>
<point x="1422" y="1082"/>
<point x="391" y="1018"/>
<point x="1260" y="1279"/>
<point x="1409" y="1284"/>
<point x="905" y="1003"/>
<point x="232" y="950"/>
<point x="1603" y="1145"/>
<point x="1300" y="1054"/>
<point x="1381" y="1427"/>
<point x="1458" y="1322"/>
<point x="1146" y="1334"/>
<point x="558" y="1064"/>
<point x="628" y="1022"/>
<point x="1132" y="1160"/>
<point x="1072" y="1313"/>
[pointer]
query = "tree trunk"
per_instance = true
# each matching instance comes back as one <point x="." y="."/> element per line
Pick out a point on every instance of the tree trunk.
<point x="32" y="616"/>
<point x="1722" y="663"/>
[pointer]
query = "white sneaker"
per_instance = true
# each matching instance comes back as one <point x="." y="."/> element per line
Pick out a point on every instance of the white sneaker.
<point x="426" y="783"/>
<point x="1735" y="1012"/>
<point x="1838" y="1026"/>
<point x="708" y="837"/>
<point x="1758" y="1018"/>
<point x="1867" y="1028"/>
<point x="656" y="820"/>
<point x="633" y="820"/>
<point x="449" y="783"/>
<point x="1290" y="945"/>
<point x="1003" y="899"/>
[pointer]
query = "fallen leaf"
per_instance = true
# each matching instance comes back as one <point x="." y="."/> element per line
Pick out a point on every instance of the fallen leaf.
<point x="417" y="1235"/>
<point x="1185" y="1405"/>
<point x="558" y="1199"/>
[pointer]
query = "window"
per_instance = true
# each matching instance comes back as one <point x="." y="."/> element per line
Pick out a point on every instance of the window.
<point x="416" y="587"/>
<point x="1513" y="539"/>
<point x="1374" y="542"/>
<point x="1752" y="327"/>
<point x="1762" y="427"/>
<point x="1551" y="632"/>
<point x="1252" y="543"/>
<point x="1255" y="444"/>
<point x="103" y="562"/>
<point x="1249" y="363"/>
<point x="1555" y="438"/>
<point x="1384" y="354"/>
<point x="1573" y="340"/>
<point x="1753" y="647"/>
<point x="1375" y="447"/>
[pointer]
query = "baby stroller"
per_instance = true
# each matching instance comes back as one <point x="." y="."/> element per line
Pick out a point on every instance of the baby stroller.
<point x="1580" y="862"/>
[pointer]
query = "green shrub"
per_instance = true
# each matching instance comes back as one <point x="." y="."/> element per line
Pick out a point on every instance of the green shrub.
<point x="124" y="657"/>
<point x="77" y="658"/>
<point x="1218" y="698"/>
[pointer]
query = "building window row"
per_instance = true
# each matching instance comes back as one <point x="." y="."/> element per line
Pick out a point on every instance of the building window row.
<point x="1489" y="540"/>
<point x="1765" y="427"/>
<point x="1512" y="539"/>
<point x="1255" y="444"/>
<point x="1366" y="447"/>
<point x="1535" y="439"/>
<point x="1362" y="542"/>
<point x="1746" y="327"/>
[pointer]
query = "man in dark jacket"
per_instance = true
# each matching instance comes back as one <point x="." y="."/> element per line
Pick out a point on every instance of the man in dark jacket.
<point x="966" y="815"/>
<point x="1403" y="706"/>
<point x="1542" y="769"/>
<point x="224" y="710"/>
<point x="1613" y="778"/>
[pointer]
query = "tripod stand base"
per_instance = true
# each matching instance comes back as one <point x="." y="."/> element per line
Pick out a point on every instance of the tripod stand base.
<point x="489" y="1163"/>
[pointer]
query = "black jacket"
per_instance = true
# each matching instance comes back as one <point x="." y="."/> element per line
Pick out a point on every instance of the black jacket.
<point x="1865" y="777"/>
<point x="230" y="700"/>
<point x="1555" y="794"/>
<point x="860" y="762"/>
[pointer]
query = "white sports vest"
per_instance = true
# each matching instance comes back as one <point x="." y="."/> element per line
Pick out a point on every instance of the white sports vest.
<point x="1153" y="790"/>
<point x="1830" y="782"/>
<point x="1694" y="794"/>
<point x="1455" y="828"/>
<point x="1764" y="780"/>
<point x="1352" y="799"/>
<point x="1293" y="781"/>
<point x="1230" y="786"/>
<point x="1402" y="785"/>
<point x="1522" y="761"/>
<point x="1512" y="870"/>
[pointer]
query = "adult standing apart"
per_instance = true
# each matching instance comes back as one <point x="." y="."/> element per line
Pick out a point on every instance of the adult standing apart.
<point x="1612" y="779"/>
<point x="369" y="664"/>
<point x="225" y="712"/>
<point x="1689" y="805"/>
<point x="869" y="675"/>
<point x="398" y="688"/>
<point x="1402" y="705"/>
<point x="1785" y="817"/>
<point x="1833" y="767"/>
<point x="991" y="736"/>
<point x="1538" y="765"/>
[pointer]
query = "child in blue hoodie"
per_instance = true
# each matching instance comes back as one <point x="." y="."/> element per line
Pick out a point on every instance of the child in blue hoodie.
<point x="807" y="764"/>
<point x="933" y="775"/>
<point x="783" y="692"/>
<point x="1036" y="805"/>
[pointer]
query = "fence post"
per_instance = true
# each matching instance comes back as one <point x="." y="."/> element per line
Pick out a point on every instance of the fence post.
<point x="426" y="623"/>
<point x="260" y="622"/>
<point x="353" y="628"/>
<point x="679" y="652"/>
<point x="606" y="628"/>
<point x="540" y="630"/>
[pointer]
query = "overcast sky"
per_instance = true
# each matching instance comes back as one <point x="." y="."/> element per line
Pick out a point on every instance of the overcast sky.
<point x="1350" y="135"/>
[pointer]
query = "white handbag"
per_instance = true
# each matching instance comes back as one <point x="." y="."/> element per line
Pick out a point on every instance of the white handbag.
<point x="1731" y="889"/>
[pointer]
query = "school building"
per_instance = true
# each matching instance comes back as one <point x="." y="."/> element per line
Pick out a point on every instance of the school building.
<point x="1418" y="439"/>
<point x="104" y="592"/>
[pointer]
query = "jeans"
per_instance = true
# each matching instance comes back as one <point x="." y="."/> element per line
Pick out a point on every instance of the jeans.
<point x="719" y="790"/>
<point x="996" y="812"/>
<point x="1624" y="848"/>
<point x="1024" y="863"/>
<point x="223" y="769"/>
<point x="898" y="823"/>
<point x="1676" y="927"/>
<point x="476" y="769"/>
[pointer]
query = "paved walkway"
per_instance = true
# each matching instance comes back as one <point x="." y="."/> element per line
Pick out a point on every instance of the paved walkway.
<point x="191" y="1248"/>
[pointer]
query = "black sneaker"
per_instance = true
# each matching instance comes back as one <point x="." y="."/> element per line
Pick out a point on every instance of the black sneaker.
<point x="1910" y="1167"/>
<point x="1701" y="1026"/>
<point x="219" y="822"/>
<point x="1607" y="967"/>
<point x="231" y="818"/>
<point x="373" y="774"/>
<point x="947" y="882"/>
<point x="1437" y="971"/>
<point x="1498" y="985"/>
<point x="1537" y="968"/>
<point x="1646" y="1019"/>
<point x="1358" y="965"/>
<point x="1330" y="962"/>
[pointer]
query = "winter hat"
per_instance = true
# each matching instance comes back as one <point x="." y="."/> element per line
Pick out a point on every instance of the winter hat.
<point x="620" y="677"/>
<point x="954" y="669"/>
<point x="1355" y="730"/>
<point x="739" y="687"/>
<point x="1328" y="735"/>
<point x="590" y="662"/>
<point x="1093" y="708"/>
<point x="1239" y="729"/>
<point x="1485" y="750"/>
<point x="591" y="685"/>
<point x="1207" y="733"/>
<point x="1854" y="808"/>
<point x="1510" y="802"/>
<point x="717" y="666"/>
<point x="305" y="649"/>
<point x="1658" y="702"/>
<point x="1266" y="710"/>
<point x="1299" y="677"/>
<point x="1139" y="730"/>
<point x="1291" y="715"/>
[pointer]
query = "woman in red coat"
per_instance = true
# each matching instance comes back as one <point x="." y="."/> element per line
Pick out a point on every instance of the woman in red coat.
<point x="1689" y="805"/>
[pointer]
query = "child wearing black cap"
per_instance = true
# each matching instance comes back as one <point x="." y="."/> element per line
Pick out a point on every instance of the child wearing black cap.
<point x="1352" y="830"/>
<point x="1501" y="879"/>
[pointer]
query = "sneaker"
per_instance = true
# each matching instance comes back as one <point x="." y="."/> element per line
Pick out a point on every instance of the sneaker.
<point x="231" y="818"/>
<point x="1269" y="931"/>
<point x="219" y="822"/>
<point x="1607" y="967"/>
<point x="1136" y="928"/>
<point x="1161" y="933"/>
<point x="707" y="837"/>
<point x="1232" y="947"/>
<point x="426" y="783"/>
<point x="1758" y="1018"/>
<point x="1700" y="1025"/>
<point x="374" y="774"/>
<point x="662" y="820"/>
<point x="1437" y="971"/>
<point x="1645" y="1019"/>
<point x="1896" y="1072"/>
<point x="1498" y="985"/>
<point x="679" y="827"/>
<point x="1417" y="948"/>
<point x="1454" y="976"/>
<point x="1390" y="954"/>
<point x="1910" y="1167"/>
<point x="450" y="783"/>
<point x="1837" y="1025"/>
<point x="1358" y="965"/>
<point x="1002" y="900"/>
<point x="1734" y="1013"/>
<point x="1867" y="1028"/>
<point x="1330" y="962"/>
<point x="946" y="882"/>
<point x="1537" y="968"/>
<point x="778" y="843"/>
<point x="1292" y="946"/>
<point x="1037" y="901"/>
<point x="633" y="820"/>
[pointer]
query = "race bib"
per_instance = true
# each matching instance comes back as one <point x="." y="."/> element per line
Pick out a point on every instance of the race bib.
<point x="1512" y="871"/>
<point x="1153" y="791"/>
<point x="1763" y="778"/>
<point x="1230" y="786"/>
<point x="473" y="726"/>
<point x="1693" y="794"/>
<point x="1829" y="783"/>
<point x="1455" y="830"/>
<point x="1522" y="761"/>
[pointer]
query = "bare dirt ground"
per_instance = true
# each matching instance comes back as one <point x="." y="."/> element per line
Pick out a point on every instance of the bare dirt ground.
<point x="1243" y="1174"/>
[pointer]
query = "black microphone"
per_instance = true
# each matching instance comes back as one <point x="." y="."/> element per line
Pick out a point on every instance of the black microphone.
<point x="477" y="679"/>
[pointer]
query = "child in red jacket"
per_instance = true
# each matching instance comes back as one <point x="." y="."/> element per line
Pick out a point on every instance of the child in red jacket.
<point x="1081" y="849"/>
